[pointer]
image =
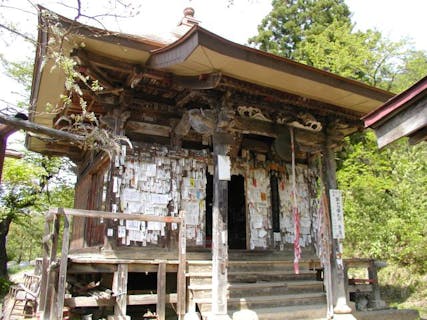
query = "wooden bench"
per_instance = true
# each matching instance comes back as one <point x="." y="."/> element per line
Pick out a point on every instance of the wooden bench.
<point x="27" y="293"/>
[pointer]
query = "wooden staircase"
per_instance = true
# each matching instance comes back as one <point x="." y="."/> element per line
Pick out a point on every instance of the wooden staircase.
<point x="268" y="287"/>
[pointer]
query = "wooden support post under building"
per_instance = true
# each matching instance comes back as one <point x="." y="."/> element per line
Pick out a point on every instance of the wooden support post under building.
<point x="63" y="266"/>
<point x="45" y="266"/>
<point x="48" y="312"/>
<point x="182" y="268"/>
<point x="337" y="271"/>
<point x="3" y="144"/>
<point x="120" y="284"/>
<point x="219" y="232"/>
<point x="161" y="291"/>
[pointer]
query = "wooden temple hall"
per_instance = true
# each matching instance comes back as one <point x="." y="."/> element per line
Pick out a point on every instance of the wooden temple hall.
<point x="219" y="203"/>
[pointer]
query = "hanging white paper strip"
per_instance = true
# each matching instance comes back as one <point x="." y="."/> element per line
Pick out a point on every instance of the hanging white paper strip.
<point x="337" y="214"/>
<point x="224" y="165"/>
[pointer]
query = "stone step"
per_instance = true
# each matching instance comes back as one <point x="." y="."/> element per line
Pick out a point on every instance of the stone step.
<point x="268" y="275"/>
<point x="307" y="312"/>
<point x="235" y="266"/>
<point x="260" y="288"/>
<point x="251" y="276"/>
<point x="274" y="301"/>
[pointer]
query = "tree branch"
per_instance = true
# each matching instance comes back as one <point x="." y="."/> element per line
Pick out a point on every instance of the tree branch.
<point x="18" y="33"/>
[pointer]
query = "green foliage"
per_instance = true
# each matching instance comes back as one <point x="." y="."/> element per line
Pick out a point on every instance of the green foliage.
<point x="414" y="68"/>
<point x="30" y="186"/>
<point x="385" y="200"/>
<point x="24" y="239"/>
<point x="364" y="56"/>
<point x="4" y="286"/>
<point x="291" y="22"/>
<point x="338" y="50"/>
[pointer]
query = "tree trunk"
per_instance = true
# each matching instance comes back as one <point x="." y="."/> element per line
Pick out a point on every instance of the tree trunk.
<point x="4" y="230"/>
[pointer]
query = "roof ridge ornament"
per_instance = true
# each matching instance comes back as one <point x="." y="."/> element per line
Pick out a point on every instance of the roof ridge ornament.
<point x="186" y="23"/>
<point x="188" y="19"/>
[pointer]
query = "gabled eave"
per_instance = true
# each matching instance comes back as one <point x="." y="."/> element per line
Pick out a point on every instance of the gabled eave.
<point x="201" y="51"/>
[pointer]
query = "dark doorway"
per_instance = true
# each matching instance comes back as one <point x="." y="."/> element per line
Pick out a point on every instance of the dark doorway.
<point x="209" y="202"/>
<point x="236" y="212"/>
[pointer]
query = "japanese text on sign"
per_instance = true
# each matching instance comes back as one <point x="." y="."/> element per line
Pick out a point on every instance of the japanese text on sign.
<point x="337" y="214"/>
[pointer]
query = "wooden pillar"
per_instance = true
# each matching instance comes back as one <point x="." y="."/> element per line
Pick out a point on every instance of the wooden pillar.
<point x="182" y="267"/>
<point x="376" y="302"/>
<point x="161" y="291"/>
<point x="63" y="267"/>
<point x="3" y="144"/>
<point x="219" y="231"/>
<point x="337" y="269"/>
<point x="45" y="268"/>
<point x="120" y="284"/>
<point x="48" y="311"/>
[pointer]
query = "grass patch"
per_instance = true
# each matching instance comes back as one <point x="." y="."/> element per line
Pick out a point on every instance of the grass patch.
<point x="17" y="269"/>
<point x="403" y="288"/>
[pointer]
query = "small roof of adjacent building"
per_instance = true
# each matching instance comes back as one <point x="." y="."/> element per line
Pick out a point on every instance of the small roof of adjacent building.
<point x="404" y="115"/>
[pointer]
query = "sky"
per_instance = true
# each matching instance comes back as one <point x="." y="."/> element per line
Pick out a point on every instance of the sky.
<point x="395" y="19"/>
<point x="236" y="22"/>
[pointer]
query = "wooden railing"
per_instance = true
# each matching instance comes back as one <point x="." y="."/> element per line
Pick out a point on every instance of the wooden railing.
<point x="365" y="285"/>
<point x="53" y="291"/>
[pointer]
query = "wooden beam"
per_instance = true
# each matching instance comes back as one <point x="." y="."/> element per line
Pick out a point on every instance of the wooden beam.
<point x="148" y="128"/>
<point x="40" y="129"/>
<point x="308" y="140"/>
<point x="256" y="145"/>
<point x="402" y="124"/>
<point x="280" y="101"/>
<point x="418" y="136"/>
<point x="132" y="300"/>
<point x="203" y="81"/>
<point x="91" y="268"/>
<point x="6" y="130"/>
<point x="118" y="216"/>
<point x="105" y="62"/>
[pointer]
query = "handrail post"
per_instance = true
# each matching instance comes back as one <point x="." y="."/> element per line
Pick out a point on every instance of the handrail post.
<point x="48" y="307"/>
<point x="45" y="266"/>
<point x="376" y="294"/>
<point x="63" y="265"/>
